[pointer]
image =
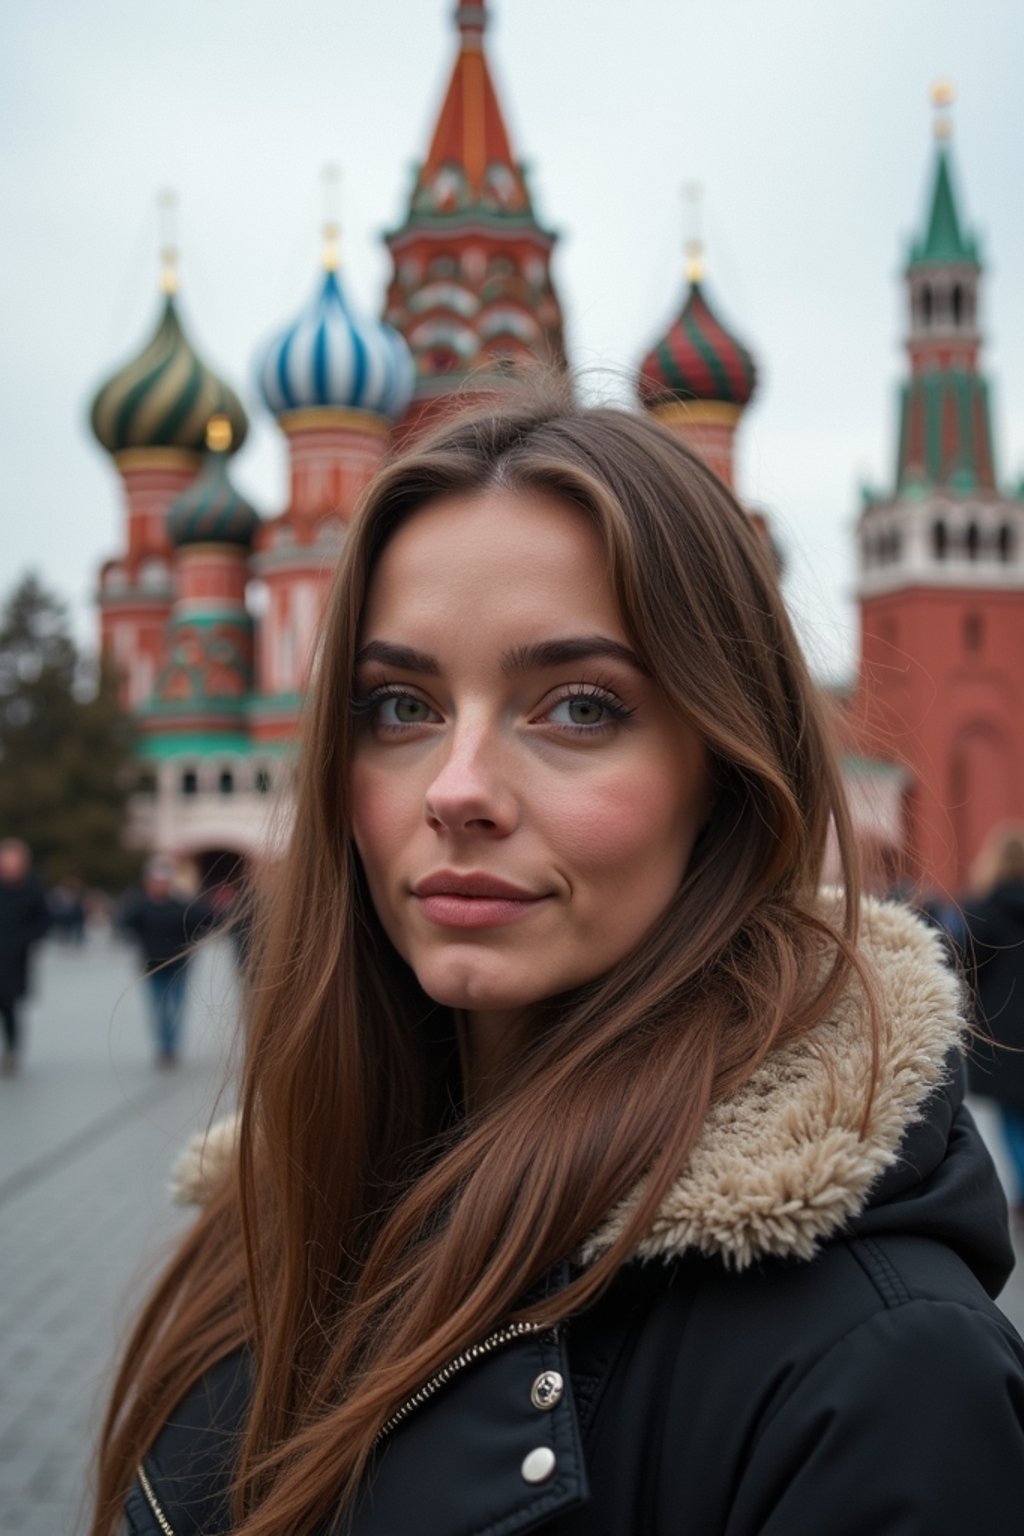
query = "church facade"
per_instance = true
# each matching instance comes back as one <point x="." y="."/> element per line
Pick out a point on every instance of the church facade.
<point x="210" y="608"/>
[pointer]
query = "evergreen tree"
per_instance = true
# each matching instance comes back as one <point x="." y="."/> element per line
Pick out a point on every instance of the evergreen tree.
<point x="66" y="748"/>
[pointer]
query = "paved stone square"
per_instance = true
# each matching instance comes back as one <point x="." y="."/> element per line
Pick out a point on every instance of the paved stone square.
<point x="87" y="1135"/>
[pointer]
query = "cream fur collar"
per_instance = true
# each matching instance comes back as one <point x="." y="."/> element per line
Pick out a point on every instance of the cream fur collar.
<point x="784" y="1163"/>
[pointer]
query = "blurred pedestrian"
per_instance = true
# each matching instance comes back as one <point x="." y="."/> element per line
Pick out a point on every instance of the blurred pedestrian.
<point x="67" y="910"/>
<point x="24" y="919"/>
<point x="995" y="961"/>
<point x="165" y="925"/>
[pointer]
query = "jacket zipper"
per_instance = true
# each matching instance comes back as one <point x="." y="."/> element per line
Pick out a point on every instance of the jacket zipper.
<point x="154" y="1503"/>
<point x="493" y="1341"/>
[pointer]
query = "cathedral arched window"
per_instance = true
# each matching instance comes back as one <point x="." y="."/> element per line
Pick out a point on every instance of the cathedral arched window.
<point x="926" y="305"/>
<point x="189" y="782"/>
<point x="226" y="782"/>
<point x="958" y="304"/>
<point x="1006" y="543"/>
<point x="940" y="540"/>
<point x="261" y="781"/>
<point x="973" y="631"/>
<point x="972" y="541"/>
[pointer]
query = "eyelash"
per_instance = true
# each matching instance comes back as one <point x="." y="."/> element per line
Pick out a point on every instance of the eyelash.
<point x="363" y="705"/>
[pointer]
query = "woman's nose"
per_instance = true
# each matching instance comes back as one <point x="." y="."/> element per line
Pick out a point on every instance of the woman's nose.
<point x="471" y="792"/>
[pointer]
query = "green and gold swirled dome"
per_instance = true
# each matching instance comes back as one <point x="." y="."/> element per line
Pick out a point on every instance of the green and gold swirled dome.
<point x="165" y="396"/>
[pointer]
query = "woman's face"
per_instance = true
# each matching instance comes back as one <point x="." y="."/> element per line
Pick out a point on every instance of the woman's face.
<point x="525" y="799"/>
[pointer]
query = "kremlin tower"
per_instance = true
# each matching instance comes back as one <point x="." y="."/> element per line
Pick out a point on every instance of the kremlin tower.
<point x="472" y="288"/>
<point x="699" y="378"/>
<point x="940" y="693"/>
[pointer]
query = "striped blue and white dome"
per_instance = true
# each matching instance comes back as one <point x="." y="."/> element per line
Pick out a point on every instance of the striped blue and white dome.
<point x="332" y="358"/>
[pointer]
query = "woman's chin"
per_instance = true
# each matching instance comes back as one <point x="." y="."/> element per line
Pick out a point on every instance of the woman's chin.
<point x="476" y="989"/>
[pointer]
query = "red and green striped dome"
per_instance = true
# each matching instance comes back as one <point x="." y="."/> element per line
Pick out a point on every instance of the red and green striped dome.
<point x="698" y="359"/>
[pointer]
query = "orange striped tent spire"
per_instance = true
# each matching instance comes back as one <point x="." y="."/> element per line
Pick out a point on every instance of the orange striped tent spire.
<point x="470" y="131"/>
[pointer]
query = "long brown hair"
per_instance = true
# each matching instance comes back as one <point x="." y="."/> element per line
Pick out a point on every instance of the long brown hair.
<point x="371" y="1233"/>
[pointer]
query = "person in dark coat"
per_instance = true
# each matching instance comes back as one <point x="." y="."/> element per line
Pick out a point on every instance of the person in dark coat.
<point x="165" y="926"/>
<point x="24" y="920"/>
<point x="596" y="1172"/>
<point x="995" y="960"/>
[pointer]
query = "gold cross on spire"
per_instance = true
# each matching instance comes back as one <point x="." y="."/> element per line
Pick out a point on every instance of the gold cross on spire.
<point x="332" y="227"/>
<point x="692" y="193"/>
<point x="167" y="202"/>
<point x="943" y="96"/>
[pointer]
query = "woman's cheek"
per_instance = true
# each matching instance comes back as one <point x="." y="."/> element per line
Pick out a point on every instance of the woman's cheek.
<point x="603" y="829"/>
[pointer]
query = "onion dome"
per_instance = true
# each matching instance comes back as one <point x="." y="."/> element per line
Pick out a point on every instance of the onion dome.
<point x="697" y="359"/>
<point x="211" y="511"/>
<point x="332" y="358"/>
<point x="165" y="396"/>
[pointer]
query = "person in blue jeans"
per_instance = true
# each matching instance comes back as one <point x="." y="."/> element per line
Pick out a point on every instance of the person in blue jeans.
<point x="165" y="926"/>
<point x="994" y="950"/>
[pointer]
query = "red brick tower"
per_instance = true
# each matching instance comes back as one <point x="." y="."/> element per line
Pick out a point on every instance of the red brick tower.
<point x="941" y="575"/>
<point x="472" y="286"/>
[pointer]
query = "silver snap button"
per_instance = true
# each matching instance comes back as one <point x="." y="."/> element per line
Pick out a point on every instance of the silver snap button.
<point x="539" y="1465"/>
<point x="547" y="1390"/>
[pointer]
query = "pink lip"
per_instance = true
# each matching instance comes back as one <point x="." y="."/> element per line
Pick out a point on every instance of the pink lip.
<point x="472" y="900"/>
<point x="451" y="882"/>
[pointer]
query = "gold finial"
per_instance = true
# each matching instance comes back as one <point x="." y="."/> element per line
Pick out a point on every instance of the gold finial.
<point x="942" y="98"/>
<point x="168" y="205"/>
<point x="218" y="434"/>
<point x="332" y="230"/>
<point x="692" y="194"/>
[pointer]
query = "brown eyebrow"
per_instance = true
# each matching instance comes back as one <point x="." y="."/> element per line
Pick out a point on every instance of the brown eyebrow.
<point x="555" y="653"/>
<point x="521" y="658"/>
<point x="401" y="657"/>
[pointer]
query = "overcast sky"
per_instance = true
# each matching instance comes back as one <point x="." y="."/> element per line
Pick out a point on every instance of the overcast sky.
<point x="807" y="122"/>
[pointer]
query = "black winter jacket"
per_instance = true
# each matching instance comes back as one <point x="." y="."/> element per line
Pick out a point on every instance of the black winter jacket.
<point x="995" y="957"/>
<point x="24" y="920"/>
<point x="165" y="929"/>
<point x="804" y="1345"/>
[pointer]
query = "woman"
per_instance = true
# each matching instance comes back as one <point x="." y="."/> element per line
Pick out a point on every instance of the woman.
<point x="594" y="1173"/>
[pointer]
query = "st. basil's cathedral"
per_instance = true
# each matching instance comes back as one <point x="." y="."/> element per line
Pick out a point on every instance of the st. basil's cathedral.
<point x="210" y="609"/>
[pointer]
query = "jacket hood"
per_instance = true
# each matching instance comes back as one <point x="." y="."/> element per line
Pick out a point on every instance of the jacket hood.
<point x="790" y="1159"/>
<point x="795" y="1156"/>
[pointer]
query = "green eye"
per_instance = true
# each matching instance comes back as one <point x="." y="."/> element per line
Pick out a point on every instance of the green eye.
<point x="581" y="710"/>
<point x="404" y="709"/>
<point x="585" y="711"/>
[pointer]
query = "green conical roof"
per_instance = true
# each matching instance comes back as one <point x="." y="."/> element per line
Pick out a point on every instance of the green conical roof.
<point x="944" y="241"/>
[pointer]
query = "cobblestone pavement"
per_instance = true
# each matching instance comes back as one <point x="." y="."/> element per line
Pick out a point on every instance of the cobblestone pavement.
<point x="87" y="1134"/>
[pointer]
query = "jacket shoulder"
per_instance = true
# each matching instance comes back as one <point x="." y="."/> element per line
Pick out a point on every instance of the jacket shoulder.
<point x="913" y="1421"/>
<point x="184" y="1480"/>
<point x="870" y="1389"/>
